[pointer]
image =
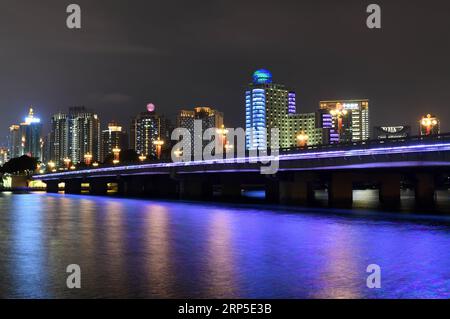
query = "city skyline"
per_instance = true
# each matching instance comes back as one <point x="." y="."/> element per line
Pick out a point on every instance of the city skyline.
<point x="79" y="135"/>
<point x="343" y="60"/>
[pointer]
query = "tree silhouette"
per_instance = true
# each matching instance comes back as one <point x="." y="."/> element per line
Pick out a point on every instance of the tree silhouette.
<point x="20" y="165"/>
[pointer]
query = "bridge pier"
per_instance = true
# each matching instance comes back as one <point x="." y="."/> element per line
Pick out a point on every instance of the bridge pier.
<point x="389" y="188"/>
<point x="231" y="187"/>
<point x="52" y="186"/>
<point x="425" y="189"/>
<point x="98" y="187"/>
<point x="160" y="187"/>
<point x="131" y="186"/>
<point x="195" y="188"/>
<point x="298" y="190"/>
<point x="340" y="189"/>
<point x="272" y="188"/>
<point x="72" y="187"/>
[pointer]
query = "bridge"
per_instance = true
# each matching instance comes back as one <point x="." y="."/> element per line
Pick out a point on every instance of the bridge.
<point x="422" y="163"/>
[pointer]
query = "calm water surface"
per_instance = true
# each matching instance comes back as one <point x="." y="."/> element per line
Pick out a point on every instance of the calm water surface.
<point x="159" y="249"/>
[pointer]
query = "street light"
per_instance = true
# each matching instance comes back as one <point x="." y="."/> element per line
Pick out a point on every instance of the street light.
<point x="158" y="143"/>
<point x="67" y="162"/>
<point x="116" y="151"/>
<point x="428" y="122"/>
<point x="302" y="139"/>
<point x="142" y="157"/>
<point x="87" y="158"/>
<point x="95" y="164"/>
<point x="51" y="165"/>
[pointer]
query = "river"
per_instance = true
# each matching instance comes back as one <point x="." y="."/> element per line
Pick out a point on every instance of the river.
<point x="134" y="248"/>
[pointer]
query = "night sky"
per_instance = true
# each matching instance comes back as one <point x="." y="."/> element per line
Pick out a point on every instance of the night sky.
<point x="181" y="54"/>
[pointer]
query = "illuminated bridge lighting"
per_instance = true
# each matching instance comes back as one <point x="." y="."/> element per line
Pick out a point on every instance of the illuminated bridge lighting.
<point x="283" y="157"/>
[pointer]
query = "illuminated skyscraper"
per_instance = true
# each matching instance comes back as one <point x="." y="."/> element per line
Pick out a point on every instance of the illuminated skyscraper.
<point x="113" y="138"/>
<point x="31" y="136"/>
<point x="15" y="142"/>
<point x="84" y="134"/>
<point x="345" y="120"/>
<point x="429" y="125"/>
<point x="146" y="128"/>
<point x="267" y="106"/>
<point x="209" y="117"/>
<point x="3" y="155"/>
<point x="74" y="135"/>
<point x="59" y="139"/>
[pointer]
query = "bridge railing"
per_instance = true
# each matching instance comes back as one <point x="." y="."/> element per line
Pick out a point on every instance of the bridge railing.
<point x="368" y="144"/>
<point x="406" y="141"/>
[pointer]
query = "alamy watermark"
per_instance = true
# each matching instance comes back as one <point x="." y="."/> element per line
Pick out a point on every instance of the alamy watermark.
<point x="243" y="146"/>
<point x="74" y="279"/>
<point x="74" y="19"/>
<point x="374" y="19"/>
<point x="374" y="279"/>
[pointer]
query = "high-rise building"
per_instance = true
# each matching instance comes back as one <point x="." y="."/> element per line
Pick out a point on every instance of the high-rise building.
<point x="303" y="125"/>
<point x="31" y="136"/>
<point x="345" y="120"/>
<point x="146" y="128"/>
<point x="209" y="117"/>
<point x="84" y="134"/>
<point x="3" y="155"/>
<point x="74" y="135"/>
<point x="15" y="142"/>
<point x="391" y="132"/>
<point x="46" y="148"/>
<point x="429" y="125"/>
<point x="267" y="106"/>
<point x="59" y="139"/>
<point x="113" y="138"/>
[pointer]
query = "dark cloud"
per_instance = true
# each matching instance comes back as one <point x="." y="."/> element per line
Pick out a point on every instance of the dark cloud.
<point x="180" y="54"/>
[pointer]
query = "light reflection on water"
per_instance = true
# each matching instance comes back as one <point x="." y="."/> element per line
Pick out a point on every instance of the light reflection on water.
<point x="157" y="249"/>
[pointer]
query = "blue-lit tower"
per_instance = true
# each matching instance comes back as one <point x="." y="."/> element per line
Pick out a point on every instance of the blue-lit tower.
<point x="267" y="106"/>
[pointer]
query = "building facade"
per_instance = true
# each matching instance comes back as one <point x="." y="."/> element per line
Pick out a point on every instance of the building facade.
<point x="303" y="125"/>
<point x="113" y="138"/>
<point x="345" y="120"/>
<point x="3" y="155"/>
<point x="26" y="138"/>
<point x="84" y="134"/>
<point x="59" y="139"/>
<point x="209" y="117"/>
<point x="74" y="135"/>
<point x="31" y="136"/>
<point x="15" y="142"/>
<point x="146" y="128"/>
<point x="267" y="106"/>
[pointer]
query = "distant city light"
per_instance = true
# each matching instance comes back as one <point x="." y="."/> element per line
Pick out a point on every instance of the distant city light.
<point x="151" y="107"/>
